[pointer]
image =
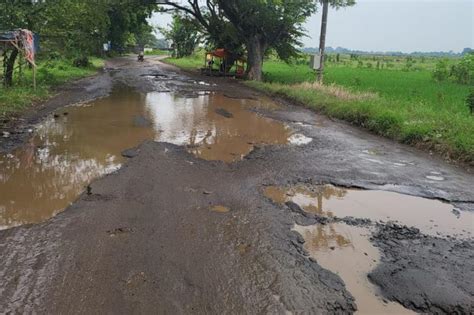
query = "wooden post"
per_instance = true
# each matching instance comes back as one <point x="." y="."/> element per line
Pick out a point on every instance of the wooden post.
<point x="322" y="39"/>
<point x="34" y="77"/>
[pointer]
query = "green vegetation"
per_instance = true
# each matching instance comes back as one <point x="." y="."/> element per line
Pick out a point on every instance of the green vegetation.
<point x="470" y="101"/>
<point x="234" y="26"/>
<point x="183" y="32"/>
<point x="50" y="74"/>
<point x="192" y="62"/>
<point x="157" y="52"/>
<point x="70" y="33"/>
<point x="396" y="97"/>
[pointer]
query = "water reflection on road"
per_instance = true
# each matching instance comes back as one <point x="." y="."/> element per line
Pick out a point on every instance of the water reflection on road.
<point x="432" y="217"/>
<point x="347" y="251"/>
<point x="80" y="143"/>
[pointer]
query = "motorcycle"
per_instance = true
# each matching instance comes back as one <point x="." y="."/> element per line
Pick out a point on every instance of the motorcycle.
<point x="141" y="58"/>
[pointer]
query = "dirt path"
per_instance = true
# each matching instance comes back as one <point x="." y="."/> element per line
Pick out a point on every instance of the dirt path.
<point x="177" y="230"/>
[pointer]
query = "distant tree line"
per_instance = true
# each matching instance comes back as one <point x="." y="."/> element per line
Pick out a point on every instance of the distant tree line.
<point x="341" y="50"/>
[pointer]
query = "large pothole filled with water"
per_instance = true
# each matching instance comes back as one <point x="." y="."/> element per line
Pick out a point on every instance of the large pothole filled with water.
<point x="346" y="249"/>
<point x="83" y="142"/>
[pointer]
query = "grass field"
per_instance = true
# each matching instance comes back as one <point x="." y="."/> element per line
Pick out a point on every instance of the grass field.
<point x="392" y="96"/>
<point x="156" y="52"/>
<point x="49" y="74"/>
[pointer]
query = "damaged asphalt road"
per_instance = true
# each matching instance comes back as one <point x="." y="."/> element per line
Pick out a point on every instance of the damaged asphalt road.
<point x="172" y="233"/>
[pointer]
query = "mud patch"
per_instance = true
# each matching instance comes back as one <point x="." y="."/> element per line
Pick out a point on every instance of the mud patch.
<point x="432" y="217"/>
<point x="220" y="209"/>
<point x="428" y="274"/>
<point x="347" y="251"/>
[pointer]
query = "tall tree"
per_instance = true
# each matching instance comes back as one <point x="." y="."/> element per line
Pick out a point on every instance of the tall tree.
<point x="258" y="24"/>
<point x="128" y="19"/>
<point x="268" y="24"/>
<point x="183" y="33"/>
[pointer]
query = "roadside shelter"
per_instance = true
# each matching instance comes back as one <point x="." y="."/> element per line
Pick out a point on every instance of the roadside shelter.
<point x="220" y="62"/>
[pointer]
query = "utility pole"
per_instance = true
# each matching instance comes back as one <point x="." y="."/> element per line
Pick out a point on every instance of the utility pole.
<point x="322" y="39"/>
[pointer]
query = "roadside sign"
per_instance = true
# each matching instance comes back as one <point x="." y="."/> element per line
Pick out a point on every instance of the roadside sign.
<point x="315" y="62"/>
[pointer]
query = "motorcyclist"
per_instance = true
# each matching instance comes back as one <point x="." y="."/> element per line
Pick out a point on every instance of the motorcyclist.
<point x="141" y="56"/>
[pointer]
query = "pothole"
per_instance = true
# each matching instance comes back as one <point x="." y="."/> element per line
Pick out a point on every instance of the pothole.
<point x="347" y="251"/>
<point x="66" y="152"/>
<point x="213" y="127"/>
<point x="432" y="217"/>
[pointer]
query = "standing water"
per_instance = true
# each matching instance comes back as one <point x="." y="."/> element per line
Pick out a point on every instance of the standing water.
<point x="85" y="141"/>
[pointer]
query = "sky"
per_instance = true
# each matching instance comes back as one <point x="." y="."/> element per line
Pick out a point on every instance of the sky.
<point x="392" y="25"/>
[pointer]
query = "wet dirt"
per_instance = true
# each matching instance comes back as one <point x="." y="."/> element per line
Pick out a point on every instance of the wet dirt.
<point x="347" y="251"/>
<point x="425" y="273"/>
<point x="66" y="152"/>
<point x="432" y="217"/>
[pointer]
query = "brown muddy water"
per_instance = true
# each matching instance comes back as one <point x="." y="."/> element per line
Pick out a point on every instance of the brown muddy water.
<point x="432" y="217"/>
<point x="82" y="142"/>
<point x="346" y="250"/>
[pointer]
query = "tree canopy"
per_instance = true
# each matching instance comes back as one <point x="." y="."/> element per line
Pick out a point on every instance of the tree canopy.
<point x="183" y="32"/>
<point x="258" y="25"/>
<point x="74" y="28"/>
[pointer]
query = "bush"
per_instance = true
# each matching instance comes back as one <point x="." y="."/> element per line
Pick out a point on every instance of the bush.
<point x="45" y="76"/>
<point x="54" y="56"/>
<point x="81" y="62"/>
<point x="470" y="101"/>
<point x="440" y="73"/>
<point x="463" y="72"/>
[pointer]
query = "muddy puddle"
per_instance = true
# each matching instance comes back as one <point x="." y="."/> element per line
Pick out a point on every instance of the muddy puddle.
<point x="347" y="251"/>
<point x="82" y="142"/>
<point x="213" y="126"/>
<point x="432" y="217"/>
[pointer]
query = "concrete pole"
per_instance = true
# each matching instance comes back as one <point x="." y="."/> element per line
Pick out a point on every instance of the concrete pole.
<point x="322" y="39"/>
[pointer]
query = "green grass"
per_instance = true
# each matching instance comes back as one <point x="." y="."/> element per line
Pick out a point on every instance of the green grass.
<point x="410" y="106"/>
<point x="189" y="63"/>
<point x="157" y="52"/>
<point x="50" y="73"/>
<point x="404" y="104"/>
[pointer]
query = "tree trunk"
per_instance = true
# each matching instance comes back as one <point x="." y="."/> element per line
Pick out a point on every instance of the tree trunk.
<point x="322" y="39"/>
<point x="256" y="50"/>
<point x="10" y="67"/>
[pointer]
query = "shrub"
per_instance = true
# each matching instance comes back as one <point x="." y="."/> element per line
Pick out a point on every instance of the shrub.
<point x="470" y="101"/>
<point x="46" y="76"/>
<point x="441" y="73"/>
<point x="81" y="62"/>
<point x="463" y="72"/>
